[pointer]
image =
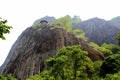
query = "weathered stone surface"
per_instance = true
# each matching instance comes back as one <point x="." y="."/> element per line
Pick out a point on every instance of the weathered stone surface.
<point x="35" y="45"/>
<point x="99" y="30"/>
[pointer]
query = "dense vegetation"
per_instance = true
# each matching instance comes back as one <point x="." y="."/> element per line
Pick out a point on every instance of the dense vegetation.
<point x="72" y="63"/>
<point x="118" y="38"/>
<point x="8" y="77"/>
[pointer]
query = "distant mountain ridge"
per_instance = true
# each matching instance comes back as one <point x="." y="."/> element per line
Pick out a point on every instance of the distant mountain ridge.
<point x="99" y="30"/>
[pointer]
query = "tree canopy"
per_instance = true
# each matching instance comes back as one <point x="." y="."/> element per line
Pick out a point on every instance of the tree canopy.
<point x="70" y="63"/>
<point x="4" y="28"/>
<point x="64" y="22"/>
<point x="75" y="20"/>
<point x="118" y="38"/>
<point x="111" y="65"/>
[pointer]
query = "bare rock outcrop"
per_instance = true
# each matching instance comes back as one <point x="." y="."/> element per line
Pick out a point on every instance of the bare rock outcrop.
<point x="35" y="45"/>
<point x="99" y="30"/>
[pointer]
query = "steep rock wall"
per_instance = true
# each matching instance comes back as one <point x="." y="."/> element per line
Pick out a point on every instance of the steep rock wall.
<point x="35" y="45"/>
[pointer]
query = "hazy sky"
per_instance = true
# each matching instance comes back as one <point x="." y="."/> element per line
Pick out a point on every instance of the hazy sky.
<point x="22" y="13"/>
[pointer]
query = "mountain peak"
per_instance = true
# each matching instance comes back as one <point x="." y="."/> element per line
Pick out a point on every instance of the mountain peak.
<point x="35" y="45"/>
<point x="96" y="19"/>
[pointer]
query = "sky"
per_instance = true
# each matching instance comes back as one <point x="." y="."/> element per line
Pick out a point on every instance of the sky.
<point x="22" y="13"/>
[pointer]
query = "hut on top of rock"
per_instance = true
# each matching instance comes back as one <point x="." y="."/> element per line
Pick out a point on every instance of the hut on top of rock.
<point x="44" y="22"/>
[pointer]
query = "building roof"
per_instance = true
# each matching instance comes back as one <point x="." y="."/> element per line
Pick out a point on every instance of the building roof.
<point x="43" y="21"/>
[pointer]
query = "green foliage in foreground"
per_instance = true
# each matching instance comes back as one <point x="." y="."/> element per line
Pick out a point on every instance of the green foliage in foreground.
<point x="4" y="29"/>
<point x="72" y="63"/>
<point x="8" y="77"/>
<point x="106" y="49"/>
<point x="111" y="65"/>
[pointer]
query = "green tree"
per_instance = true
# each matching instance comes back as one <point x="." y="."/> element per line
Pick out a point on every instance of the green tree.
<point x="116" y="49"/>
<point x="111" y="49"/>
<point x="67" y="22"/>
<point x="94" y="45"/>
<point x="45" y="75"/>
<point x="4" y="28"/>
<point x="111" y="65"/>
<point x="95" y="74"/>
<point x="2" y="77"/>
<point x="106" y="49"/>
<point x="79" y="34"/>
<point x="8" y="77"/>
<point x="75" y="20"/>
<point x="64" y="22"/>
<point x="70" y="63"/>
<point x="118" y="38"/>
<point x="115" y="76"/>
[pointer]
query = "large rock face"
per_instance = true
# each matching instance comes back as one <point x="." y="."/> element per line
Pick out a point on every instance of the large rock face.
<point x="99" y="31"/>
<point x="35" y="45"/>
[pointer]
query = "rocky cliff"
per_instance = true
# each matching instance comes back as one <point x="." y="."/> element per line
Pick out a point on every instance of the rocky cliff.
<point x="35" y="45"/>
<point x="99" y="30"/>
